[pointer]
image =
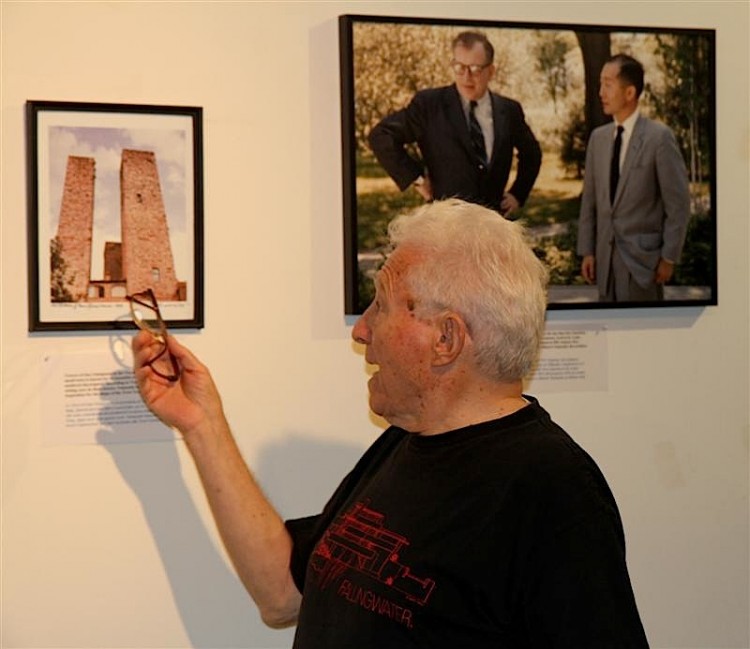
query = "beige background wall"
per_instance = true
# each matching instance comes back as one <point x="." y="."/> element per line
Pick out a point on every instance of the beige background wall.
<point x="112" y="545"/>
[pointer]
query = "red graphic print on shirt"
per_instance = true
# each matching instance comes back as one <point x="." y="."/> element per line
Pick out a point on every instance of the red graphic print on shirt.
<point x="358" y="543"/>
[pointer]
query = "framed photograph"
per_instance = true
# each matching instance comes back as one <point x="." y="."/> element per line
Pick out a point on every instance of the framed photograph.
<point x="402" y="103"/>
<point x="115" y="208"/>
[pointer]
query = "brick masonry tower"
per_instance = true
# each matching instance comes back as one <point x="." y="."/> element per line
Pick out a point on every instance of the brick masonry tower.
<point x="74" y="231"/>
<point x="146" y="251"/>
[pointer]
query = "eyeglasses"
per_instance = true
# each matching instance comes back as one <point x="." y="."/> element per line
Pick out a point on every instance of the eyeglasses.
<point x="460" y="69"/>
<point x="146" y="315"/>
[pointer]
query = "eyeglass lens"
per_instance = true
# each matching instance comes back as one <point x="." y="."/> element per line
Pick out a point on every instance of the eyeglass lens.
<point x="146" y="316"/>
<point x="460" y="68"/>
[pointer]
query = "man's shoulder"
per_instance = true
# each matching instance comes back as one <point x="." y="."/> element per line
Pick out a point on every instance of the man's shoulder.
<point x="652" y="128"/>
<point x="435" y="94"/>
<point x="531" y="454"/>
<point x="533" y="434"/>
<point x="502" y="100"/>
<point x="603" y="130"/>
<point x="655" y="135"/>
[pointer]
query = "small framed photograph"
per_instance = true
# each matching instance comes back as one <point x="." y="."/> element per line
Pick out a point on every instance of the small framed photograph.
<point x="115" y="208"/>
<point x="544" y="157"/>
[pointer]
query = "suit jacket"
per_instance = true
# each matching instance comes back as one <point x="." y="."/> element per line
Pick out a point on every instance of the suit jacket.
<point x="435" y="120"/>
<point x="649" y="217"/>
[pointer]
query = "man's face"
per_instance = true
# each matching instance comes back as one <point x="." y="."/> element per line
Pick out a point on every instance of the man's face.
<point x="399" y="343"/>
<point x="472" y="86"/>
<point x="616" y="97"/>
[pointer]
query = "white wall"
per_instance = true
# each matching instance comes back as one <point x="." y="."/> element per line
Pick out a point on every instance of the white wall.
<point x="112" y="545"/>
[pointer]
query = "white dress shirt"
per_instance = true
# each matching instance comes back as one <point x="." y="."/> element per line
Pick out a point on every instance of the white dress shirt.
<point x="627" y="131"/>
<point x="483" y="113"/>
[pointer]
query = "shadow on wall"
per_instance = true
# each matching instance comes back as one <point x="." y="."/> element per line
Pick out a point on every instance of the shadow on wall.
<point x="214" y="607"/>
<point x="215" y="610"/>
<point x="298" y="474"/>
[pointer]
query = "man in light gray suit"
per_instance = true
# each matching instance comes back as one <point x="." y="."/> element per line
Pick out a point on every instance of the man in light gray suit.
<point x="636" y="201"/>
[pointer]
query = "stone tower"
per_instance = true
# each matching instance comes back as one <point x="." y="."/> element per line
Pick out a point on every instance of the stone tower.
<point x="147" y="260"/>
<point x="74" y="231"/>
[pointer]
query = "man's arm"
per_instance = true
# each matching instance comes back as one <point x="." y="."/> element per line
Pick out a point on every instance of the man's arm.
<point x="423" y="185"/>
<point x="664" y="271"/>
<point x="529" y="158"/>
<point x="579" y="594"/>
<point x="588" y="268"/>
<point x="252" y="531"/>
<point x="675" y="193"/>
<point x="388" y="140"/>
<point x="586" y="244"/>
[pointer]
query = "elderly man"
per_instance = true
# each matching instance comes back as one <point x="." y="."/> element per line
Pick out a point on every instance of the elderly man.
<point x="473" y="520"/>
<point x="466" y="134"/>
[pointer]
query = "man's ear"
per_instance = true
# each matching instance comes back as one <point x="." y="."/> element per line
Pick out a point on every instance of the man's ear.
<point x="450" y="338"/>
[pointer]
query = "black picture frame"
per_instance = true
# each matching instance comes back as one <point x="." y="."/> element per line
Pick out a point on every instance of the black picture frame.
<point x="115" y="206"/>
<point x="384" y="60"/>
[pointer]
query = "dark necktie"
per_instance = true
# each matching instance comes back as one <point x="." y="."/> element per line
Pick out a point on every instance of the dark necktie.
<point x="614" y="171"/>
<point x="477" y="137"/>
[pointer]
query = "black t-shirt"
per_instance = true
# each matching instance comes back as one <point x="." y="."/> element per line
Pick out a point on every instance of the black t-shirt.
<point x="503" y="534"/>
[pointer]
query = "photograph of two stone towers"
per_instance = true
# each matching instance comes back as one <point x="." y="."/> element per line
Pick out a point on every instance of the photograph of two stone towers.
<point x="141" y="259"/>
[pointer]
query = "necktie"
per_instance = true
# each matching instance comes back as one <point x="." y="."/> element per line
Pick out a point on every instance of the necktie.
<point x="614" y="170"/>
<point x="477" y="138"/>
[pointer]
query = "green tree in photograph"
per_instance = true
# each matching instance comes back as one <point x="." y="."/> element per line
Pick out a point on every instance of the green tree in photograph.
<point x="60" y="279"/>
<point x="551" y="51"/>
<point x="684" y="105"/>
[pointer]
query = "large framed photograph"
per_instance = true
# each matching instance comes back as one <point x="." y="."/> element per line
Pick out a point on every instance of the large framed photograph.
<point x="115" y="208"/>
<point x="405" y="121"/>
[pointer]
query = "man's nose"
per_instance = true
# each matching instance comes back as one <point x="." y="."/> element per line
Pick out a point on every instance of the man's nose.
<point x="360" y="331"/>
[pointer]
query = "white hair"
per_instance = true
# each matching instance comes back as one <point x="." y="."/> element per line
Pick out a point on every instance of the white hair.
<point x="478" y="264"/>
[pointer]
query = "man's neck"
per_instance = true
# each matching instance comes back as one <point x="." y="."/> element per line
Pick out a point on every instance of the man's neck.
<point x="480" y="401"/>
<point x="466" y="101"/>
<point x="624" y="114"/>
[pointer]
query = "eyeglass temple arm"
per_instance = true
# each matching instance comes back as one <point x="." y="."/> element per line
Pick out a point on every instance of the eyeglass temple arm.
<point x="153" y="306"/>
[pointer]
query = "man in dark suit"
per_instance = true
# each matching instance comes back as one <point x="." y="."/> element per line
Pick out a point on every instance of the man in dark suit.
<point x="636" y="200"/>
<point x="467" y="136"/>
